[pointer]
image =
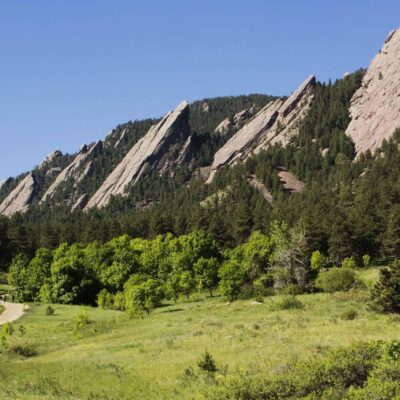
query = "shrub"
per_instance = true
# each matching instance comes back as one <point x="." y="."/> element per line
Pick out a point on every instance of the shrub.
<point x="336" y="280"/>
<point x="50" y="310"/>
<point x="349" y="315"/>
<point x="349" y="263"/>
<point x="288" y="303"/>
<point x="318" y="261"/>
<point x="207" y="363"/>
<point x="7" y="329"/>
<point x="366" y="260"/>
<point x="80" y="321"/>
<point x="326" y="377"/>
<point x="24" y="349"/>
<point x="292" y="289"/>
<point x="385" y="295"/>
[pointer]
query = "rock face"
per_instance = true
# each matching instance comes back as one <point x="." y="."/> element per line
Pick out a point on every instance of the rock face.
<point x="50" y="158"/>
<point x="258" y="185"/>
<point x="18" y="200"/>
<point x="375" y="106"/>
<point x="81" y="202"/>
<point x="148" y="153"/>
<point x="121" y="138"/>
<point x="289" y="181"/>
<point x="223" y="127"/>
<point x="76" y="170"/>
<point x="241" y="116"/>
<point x="278" y="121"/>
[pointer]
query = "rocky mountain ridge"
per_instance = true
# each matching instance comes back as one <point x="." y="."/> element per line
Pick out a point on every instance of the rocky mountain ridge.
<point x="163" y="147"/>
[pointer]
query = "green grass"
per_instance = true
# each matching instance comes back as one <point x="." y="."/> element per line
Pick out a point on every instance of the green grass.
<point x="1" y="309"/>
<point x="120" y="358"/>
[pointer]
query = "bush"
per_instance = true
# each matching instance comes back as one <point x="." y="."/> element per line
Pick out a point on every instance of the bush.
<point x="349" y="263"/>
<point x="24" y="349"/>
<point x="207" y="363"/>
<point x="288" y="303"/>
<point x="318" y="261"/>
<point x="291" y="289"/>
<point x="50" y="310"/>
<point x="327" y="377"/>
<point x="385" y="295"/>
<point x="366" y="260"/>
<point x="349" y="315"/>
<point x="336" y="280"/>
<point x="80" y="321"/>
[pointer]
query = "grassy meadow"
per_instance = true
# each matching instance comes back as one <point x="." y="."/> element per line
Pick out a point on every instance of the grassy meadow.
<point x="114" y="357"/>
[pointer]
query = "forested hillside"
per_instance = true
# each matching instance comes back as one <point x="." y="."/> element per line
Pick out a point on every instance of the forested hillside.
<point x="346" y="208"/>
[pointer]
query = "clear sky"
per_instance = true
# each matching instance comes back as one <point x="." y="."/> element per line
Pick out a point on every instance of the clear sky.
<point x="70" y="70"/>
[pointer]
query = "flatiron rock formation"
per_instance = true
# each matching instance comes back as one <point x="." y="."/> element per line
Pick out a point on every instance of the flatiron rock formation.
<point x="18" y="200"/>
<point x="76" y="170"/>
<point x="375" y="106"/>
<point x="149" y="152"/>
<point x="278" y="121"/>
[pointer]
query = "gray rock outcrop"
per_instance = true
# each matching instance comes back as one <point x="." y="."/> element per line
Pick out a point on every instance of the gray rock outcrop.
<point x="19" y="198"/>
<point x="76" y="169"/>
<point x="289" y="181"/>
<point x="81" y="202"/>
<point x="148" y="153"/>
<point x="223" y="127"/>
<point x="50" y="158"/>
<point x="122" y="138"/>
<point x="375" y="106"/>
<point x="278" y="121"/>
<point x="258" y="185"/>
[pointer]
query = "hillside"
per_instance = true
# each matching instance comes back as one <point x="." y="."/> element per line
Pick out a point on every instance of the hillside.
<point x="157" y="357"/>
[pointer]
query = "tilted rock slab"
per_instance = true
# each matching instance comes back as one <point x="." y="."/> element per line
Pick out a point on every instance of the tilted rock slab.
<point x="375" y="106"/>
<point x="278" y="121"/>
<point x="82" y="160"/>
<point x="223" y="127"/>
<point x="145" y="155"/>
<point x="81" y="202"/>
<point x="18" y="200"/>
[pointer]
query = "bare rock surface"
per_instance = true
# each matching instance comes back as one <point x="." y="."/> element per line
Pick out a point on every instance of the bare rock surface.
<point x="258" y="185"/>
<point x="81" y="202"/>
<point x="289" y="181"/>
<point x="50" y="158"/>
<point x="223" y="127"/>
<point x="18" y="200"/>
<point x="375" y="106"/>
<point x="241" y="116"/>
<point x="76" y="169"/>
<point x="145" y="155"/>
<point x="278" y="121"/>
<point x="122" y="138"/>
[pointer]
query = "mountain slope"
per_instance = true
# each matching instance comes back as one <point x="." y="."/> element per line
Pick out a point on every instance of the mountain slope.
<point x="147" y="153"/>
<point x="375" y="107"/>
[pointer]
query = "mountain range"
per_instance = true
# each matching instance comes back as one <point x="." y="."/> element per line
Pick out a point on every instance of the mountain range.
<point x="201" y="139"/>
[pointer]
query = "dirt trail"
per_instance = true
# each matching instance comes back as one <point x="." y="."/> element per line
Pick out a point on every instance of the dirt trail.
<point x="12" y="312"/>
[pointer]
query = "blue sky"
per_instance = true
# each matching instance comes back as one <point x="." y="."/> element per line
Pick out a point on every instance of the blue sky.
<point x="70" y="70"/>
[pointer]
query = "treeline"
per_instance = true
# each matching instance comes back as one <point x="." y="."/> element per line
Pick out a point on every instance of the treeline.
<point x="138" y="274"/>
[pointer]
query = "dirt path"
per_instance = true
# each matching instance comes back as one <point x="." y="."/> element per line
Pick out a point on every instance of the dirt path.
<point x="12" y="312"/>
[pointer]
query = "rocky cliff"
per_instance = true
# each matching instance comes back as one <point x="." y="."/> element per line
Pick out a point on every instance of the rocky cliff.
<point x="149" y="152"/>
<point x="277" y="122"/>
<point x="76" y="170"/>
<point x="19" y="198"/>
<point x="375" y="107"/>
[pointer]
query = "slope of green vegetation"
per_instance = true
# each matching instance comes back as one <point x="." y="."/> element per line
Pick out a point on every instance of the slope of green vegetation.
<point x="110" y="356"/>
